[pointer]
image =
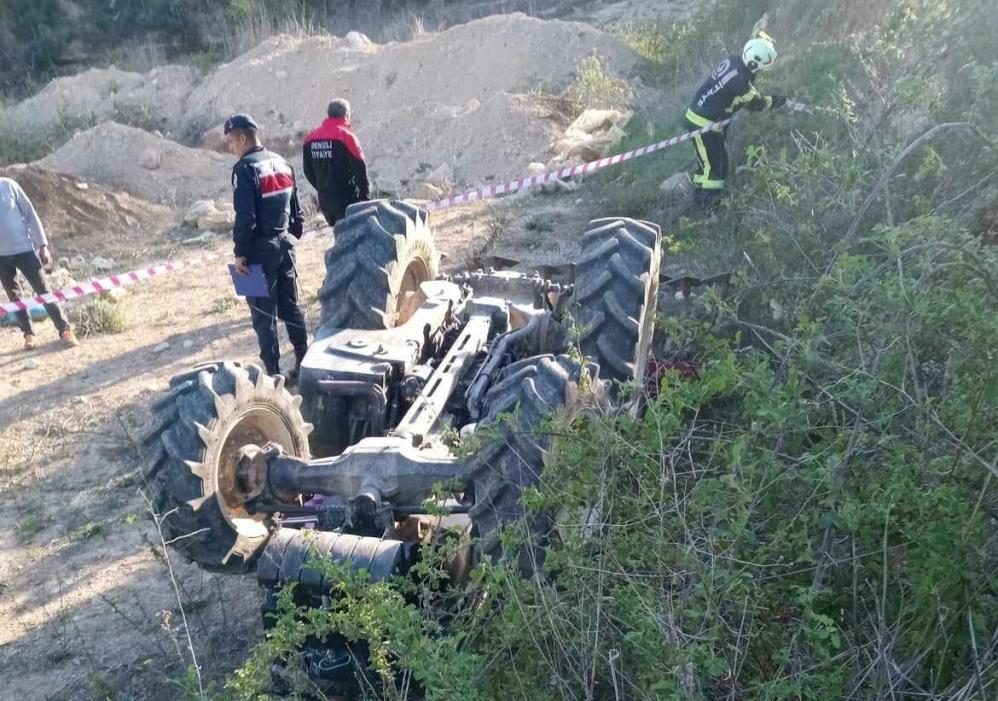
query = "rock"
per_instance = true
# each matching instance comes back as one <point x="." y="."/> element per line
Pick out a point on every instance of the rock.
<point x="677" y="184"/>
<point x="441" y="176"/>
<point x="160" y="347"/>
<point x="425" y="191"/>
<point x="77" y="400"/>
<point x="82" y="186"/>
<point x="197" y="210"/>
<point x="358" y="41"/>
<point x="102" y="264"/>
<point x="200" y="238"/>
<point x="777" y="309"/>
<point x="559" y="185"/>
<point x="151" y="159"/>
<point x="63" y="262"/>
<point x="30" y="364"/>
<point x="536" y="168"/>
<point x="60" y="278"/>
<point x="217" y="220"/>
<point x="188" y="343"/>
<point x="78" y="262"/>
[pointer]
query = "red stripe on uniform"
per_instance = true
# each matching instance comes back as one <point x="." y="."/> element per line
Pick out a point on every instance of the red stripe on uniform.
<point x="275" y="183"/>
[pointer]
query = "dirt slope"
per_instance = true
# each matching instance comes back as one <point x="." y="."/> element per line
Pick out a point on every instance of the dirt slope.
<point x="143" y="165"/>
<point x="460" y="97"/>
<point x="82" y="218"/>
<point x="156" y="99"/>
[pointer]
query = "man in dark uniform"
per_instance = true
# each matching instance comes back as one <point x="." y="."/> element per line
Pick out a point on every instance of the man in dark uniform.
<point x="334" y="163"/>
<point x="729" y="88"/>
<point x="265" y="197"/>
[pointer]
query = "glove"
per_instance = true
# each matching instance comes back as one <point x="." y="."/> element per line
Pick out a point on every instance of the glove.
<point x="778" y="101"/>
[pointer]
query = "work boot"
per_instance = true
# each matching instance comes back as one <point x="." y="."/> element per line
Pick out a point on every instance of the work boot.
<point x="292" y="377"/>
<point x="69" y="338"/>
<point x="29" y="341"/>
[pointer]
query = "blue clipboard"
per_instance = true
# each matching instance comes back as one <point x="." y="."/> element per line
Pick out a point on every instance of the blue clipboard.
<point x="252" y="285"/>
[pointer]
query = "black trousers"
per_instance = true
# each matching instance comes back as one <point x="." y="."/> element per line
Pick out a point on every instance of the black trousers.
<point x="710" y="179"/>
<point x="31" y="268"/>
<point x="282" y="280"/>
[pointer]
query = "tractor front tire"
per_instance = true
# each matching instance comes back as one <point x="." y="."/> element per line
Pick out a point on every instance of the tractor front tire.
<point x="516" y="452"/>
<point x="616" y="295"/>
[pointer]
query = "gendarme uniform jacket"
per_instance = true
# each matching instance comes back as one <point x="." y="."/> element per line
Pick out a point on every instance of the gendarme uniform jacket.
<point x="728" y="89"/>
<point x="265" y="198"/>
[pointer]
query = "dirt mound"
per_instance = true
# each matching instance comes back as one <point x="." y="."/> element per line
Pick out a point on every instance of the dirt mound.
<point x="461" y="97"/>
<point x="154" y="100"/>
<point x="144" y="165"/>
<point x="82" y="218"/>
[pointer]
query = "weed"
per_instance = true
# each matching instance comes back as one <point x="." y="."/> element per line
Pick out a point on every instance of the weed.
<point x="104" y="689"/>
<point x="497" y="223"/>
<point x="541" y="223"/>
<point x="90" y="530"/>
<point x="222" y="304"/>
<point x="595" y="88"/>
<point x="96" y="316"/>
<point x="22" y="144"/>
<point x="30" y="524"/>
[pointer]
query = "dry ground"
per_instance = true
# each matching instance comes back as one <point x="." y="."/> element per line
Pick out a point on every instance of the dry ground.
<point x="87" y="609"/>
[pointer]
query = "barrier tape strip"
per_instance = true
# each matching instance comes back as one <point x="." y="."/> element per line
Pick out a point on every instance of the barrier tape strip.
<point x="98" y="285"/>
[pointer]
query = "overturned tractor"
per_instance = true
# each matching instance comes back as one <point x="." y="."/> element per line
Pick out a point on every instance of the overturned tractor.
<point x="404" y="359"/>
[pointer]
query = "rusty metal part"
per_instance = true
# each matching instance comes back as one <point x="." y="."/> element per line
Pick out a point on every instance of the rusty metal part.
<point x="378" y="469"/>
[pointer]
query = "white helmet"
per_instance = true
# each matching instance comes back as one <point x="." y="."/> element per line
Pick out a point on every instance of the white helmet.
<point x="759" y="53"/>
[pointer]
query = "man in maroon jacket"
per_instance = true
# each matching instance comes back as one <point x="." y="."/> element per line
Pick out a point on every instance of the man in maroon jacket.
<point x="334" y="163"/>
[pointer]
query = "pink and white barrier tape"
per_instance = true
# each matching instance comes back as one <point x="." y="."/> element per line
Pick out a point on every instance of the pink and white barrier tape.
<point x="98" y="285"/>
<point x="486" y="192"/>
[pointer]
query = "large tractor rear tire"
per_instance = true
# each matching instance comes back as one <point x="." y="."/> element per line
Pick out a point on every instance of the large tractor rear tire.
<point x="616" y="292"/>
<point x="514" y="458"/>
<point x="382" y="252"/>
<point x="198" y="429"/>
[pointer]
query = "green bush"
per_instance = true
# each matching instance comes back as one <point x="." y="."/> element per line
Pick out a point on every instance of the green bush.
<point x="97" y="316"/>
<point x="23" y="145"/>
<point x="595" y="88"/>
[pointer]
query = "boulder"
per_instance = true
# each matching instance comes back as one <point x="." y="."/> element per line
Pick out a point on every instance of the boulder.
<point x="441" y="176"/>
<point x="425" y="191"/>
<point x="102" y="264"/>
<point x="197" y="210"/>
<point x="151" y="159"/>
<point x="217" y="220"/>
<point x="359" y="42"/>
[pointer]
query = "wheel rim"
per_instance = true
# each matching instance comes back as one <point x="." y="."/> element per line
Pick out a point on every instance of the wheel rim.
<point x="256" y="425"/>
<point x="416" y="273"/>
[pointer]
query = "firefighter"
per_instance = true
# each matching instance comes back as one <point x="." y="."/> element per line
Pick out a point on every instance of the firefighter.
<point x="729" y="88"/>
<point x="334" y="163"/>
<point x="265" y="198"/>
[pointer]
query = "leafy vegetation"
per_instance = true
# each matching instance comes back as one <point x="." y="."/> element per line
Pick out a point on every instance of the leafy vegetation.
<point x="595" y="88"/>
<point x="814" y="514"/>
<point x="23" y="145"/>
<point x="96" y="316"/>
